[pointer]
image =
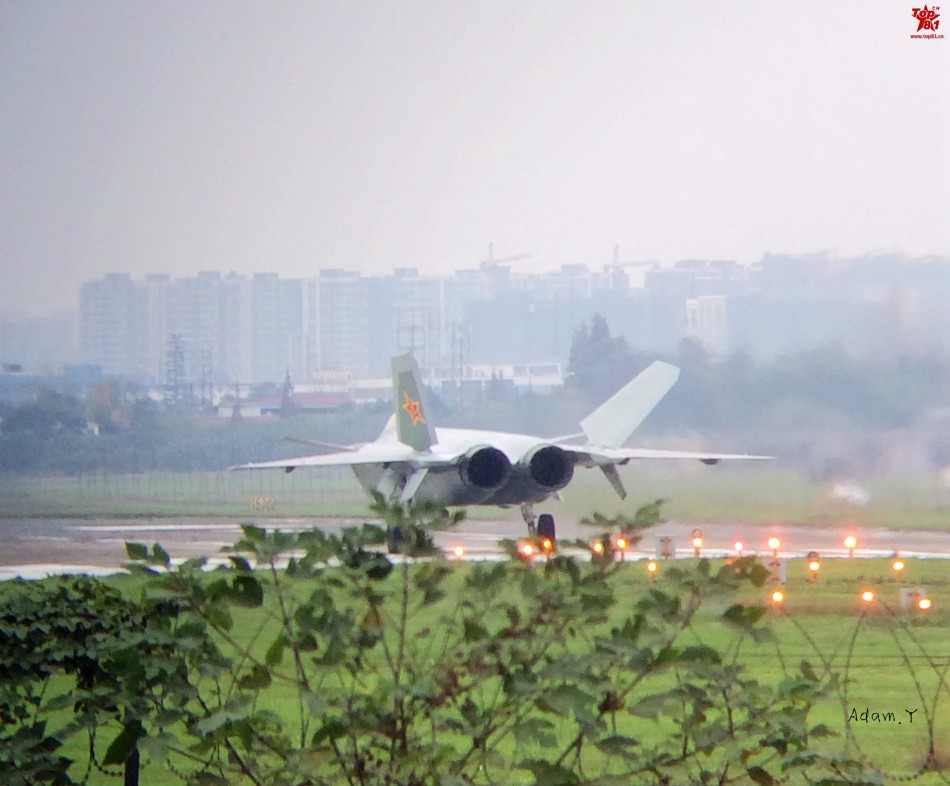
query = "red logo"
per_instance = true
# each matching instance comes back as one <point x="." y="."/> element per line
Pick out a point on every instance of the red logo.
<point x="927" y="18"/>
<point x="414" y="409"/>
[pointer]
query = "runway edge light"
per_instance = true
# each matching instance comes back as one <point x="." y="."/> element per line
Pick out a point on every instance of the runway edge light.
<point x="697" y="541"/>
<point x="851" y="543"/>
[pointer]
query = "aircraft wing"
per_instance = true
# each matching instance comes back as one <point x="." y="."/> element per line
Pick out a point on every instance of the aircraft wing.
<point x="706" y="457"/>
<point x="608" y="459"/>
<point x="592" y="456"/>
<point x="372" y="453"/>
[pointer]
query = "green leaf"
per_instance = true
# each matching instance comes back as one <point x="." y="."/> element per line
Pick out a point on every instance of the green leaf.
<point x="122" y="746"/>
<point x="473" y="630"/>
<point x="219" y="616"/>
<point x="808" y="672"/>
<point x="655" y="705"/>
<point x="246" y="591"/>
<point x="208" y="726"/>
<point x="618" y="745"/>
<point x="257" y="679"/>
<point x="745" y="618"/>
<point x="253" y="533"/>
<point x="564" y="699"/>
<point x="137" y="551"/>
<point x="333" y="654"/>
<point x="195" y="563"/>
<point x="760" y="776"/>
<point x="537" y="731"/>
<point x="275" y="653"/>
<point x="547" y="774"/>
<point x="159" y="556"/>
<point x="700" y="653"/>
<point x="332" y="729"/>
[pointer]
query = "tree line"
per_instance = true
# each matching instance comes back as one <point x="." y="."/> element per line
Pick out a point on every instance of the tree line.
<point x="760" y="406"/>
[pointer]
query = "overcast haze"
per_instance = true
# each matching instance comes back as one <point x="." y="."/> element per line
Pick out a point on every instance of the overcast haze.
<point x="286" y="137"/>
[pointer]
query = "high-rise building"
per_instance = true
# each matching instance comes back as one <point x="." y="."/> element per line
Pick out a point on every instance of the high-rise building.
<point x="337" y="323"/>
<point x="277" y="319"/>
<point x="113" y="324"/>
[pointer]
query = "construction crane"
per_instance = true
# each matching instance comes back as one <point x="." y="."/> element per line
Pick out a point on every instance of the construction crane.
<point x="616" y="267"/>
<point x="492" y="261"/>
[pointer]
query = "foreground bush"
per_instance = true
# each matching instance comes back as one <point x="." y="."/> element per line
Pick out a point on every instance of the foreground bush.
<point x="313" y="659"/>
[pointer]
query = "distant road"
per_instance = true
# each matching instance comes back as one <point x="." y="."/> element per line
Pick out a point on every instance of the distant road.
<point x="37" y="547"/>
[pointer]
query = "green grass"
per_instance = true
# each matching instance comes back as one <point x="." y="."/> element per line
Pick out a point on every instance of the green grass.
<point x="759" y="493"/>
<point x="260" y="494"/>
<point x="694" y="493"/>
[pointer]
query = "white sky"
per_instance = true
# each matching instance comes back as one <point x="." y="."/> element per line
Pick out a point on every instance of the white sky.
<point x="289" y="136"/>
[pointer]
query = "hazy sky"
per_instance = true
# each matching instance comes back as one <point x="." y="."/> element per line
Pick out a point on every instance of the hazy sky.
<point x="289" y="136"/>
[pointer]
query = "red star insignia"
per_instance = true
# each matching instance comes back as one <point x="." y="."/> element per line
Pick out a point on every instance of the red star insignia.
<point x="412" y="407"/>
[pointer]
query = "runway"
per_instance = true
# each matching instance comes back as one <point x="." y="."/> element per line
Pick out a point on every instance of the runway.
<point x="32" y="548"/>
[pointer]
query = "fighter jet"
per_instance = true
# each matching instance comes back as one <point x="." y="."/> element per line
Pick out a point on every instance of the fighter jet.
<point x="412" y="460"/>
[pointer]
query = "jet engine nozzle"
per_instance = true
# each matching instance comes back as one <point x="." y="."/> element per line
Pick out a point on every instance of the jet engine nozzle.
<point x="550" y="467"/>
<point x="485" y="468"/>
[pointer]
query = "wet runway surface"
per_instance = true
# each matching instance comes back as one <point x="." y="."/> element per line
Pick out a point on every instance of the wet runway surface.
<point x="38" y="547"/>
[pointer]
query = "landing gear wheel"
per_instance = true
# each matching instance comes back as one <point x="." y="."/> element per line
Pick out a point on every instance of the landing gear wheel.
<point x="546" y="527"/>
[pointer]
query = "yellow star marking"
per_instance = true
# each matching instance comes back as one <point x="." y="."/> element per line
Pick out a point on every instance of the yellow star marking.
<point x="412" y="407"/>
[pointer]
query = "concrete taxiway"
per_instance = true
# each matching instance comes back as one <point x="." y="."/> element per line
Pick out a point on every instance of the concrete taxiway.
<point x="34" y="548"/>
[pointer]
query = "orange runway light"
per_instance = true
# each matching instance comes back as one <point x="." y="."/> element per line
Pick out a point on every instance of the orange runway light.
<point x="774" y="543"/>
<point x="897" y="565"/>
<point x="652" y="568"/>
<point x="622" y="544"/>
<point x="697" y="541"/>
<point x="597" y="547"/>
<point x="547" y="545"/>
<point x="527" y="550"/>
<point x="867" y="596"/>
<point x="738" y="546"/>
<point x="777" y="597"/>
<point x="458" y="552"/>
<point x="923" y="603"/>
<point x="850" y="543"/>
<point x="814" y="565"/>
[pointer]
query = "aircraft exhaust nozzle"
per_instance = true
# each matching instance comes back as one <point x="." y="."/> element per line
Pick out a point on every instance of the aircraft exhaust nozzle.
<point x="485" y="468"/>
<point x="550" y="467"/>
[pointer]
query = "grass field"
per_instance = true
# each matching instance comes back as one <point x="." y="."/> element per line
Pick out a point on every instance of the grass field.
<point x="694" y="493"/>
<point x="731" y="493"/>
<point x="890" y="661"/>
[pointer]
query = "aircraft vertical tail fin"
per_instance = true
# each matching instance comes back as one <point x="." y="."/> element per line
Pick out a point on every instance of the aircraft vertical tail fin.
<point x="413" y="424"/>
<point x="617" y="418"/>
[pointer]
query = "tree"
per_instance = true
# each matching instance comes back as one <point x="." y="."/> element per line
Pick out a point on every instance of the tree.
<point x="599" y="363"/>
<point x="115" y="659"/>
<point x="51" y="413"/>
<point x="287" y="404"/>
